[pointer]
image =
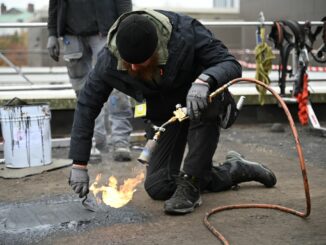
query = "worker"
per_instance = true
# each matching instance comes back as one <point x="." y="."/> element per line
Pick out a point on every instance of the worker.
<point x="83" y="26"/>
<point x="163" y="58"/>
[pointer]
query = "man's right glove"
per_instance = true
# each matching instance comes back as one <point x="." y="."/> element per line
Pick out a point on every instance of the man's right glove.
<point x="53" y="47"/>
<point x="79" y="180"/>
<point x="197" y="99"/>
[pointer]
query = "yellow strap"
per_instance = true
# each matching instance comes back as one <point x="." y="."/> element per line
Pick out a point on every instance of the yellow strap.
<point x="264" y="57"/>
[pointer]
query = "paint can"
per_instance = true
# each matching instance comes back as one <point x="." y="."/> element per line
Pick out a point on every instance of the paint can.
<point x="26" y="133"/>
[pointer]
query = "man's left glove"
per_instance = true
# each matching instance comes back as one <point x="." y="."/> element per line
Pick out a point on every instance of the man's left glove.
<point x="197" y="99"/>
<point x="79" y="180"/>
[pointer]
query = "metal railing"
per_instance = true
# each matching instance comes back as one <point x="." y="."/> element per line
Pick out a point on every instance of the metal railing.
<point x="23" y="25"/>
<point x="204" y="22"/>
<point x="251" y="23"/>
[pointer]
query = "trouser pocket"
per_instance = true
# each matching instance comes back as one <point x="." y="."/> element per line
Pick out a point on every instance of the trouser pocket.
<point x="78" y="61"/>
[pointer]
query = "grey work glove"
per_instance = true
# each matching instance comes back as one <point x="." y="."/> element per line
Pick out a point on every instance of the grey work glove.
<point x="79" y="181"/>
<point x="53" y="47"/>
<point x="197" y="100"/>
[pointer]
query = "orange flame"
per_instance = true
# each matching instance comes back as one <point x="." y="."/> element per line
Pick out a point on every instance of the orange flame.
<point x="113" y="196"/>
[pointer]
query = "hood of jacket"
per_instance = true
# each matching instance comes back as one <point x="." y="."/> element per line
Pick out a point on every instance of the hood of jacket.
<point x="164" y="29"/>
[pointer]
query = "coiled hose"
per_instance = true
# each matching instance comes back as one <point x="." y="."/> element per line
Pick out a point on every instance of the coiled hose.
<point x="301" y="160"/>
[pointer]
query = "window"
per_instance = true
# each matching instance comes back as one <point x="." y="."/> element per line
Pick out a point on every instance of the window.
<point x="227" y="4"/>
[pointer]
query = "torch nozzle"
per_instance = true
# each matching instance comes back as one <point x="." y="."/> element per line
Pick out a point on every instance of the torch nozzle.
<point x="146" y="154"/>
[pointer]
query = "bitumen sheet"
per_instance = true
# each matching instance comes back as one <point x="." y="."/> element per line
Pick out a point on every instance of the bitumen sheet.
<point x="27" y="223"/>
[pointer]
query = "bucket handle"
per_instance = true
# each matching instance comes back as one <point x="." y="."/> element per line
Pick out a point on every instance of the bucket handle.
<point x="15" y="99"/>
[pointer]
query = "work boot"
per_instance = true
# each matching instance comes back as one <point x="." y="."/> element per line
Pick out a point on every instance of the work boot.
<point x="185" y="198"/>
<point x="121" y="153"/>
<point x="242" y="170"/>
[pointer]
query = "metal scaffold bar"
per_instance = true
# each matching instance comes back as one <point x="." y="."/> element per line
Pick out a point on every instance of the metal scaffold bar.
<point x="23" y="25"/>
<point x="251" y="23"/>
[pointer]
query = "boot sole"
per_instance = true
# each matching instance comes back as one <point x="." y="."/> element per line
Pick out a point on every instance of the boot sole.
<point x="184" y="210"/>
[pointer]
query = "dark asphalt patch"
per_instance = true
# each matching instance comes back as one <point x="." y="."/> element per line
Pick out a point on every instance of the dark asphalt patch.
<point x="29" y="223"/>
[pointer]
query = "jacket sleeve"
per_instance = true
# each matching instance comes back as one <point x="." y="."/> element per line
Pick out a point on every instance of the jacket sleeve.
<point x="52" y="17"/>
<point x="213" y="55"/>
<point x="123" y="6"/>
<point x="90" y="102"/>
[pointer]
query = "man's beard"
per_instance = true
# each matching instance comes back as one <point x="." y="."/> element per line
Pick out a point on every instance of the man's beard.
<point x="146" y="73"/>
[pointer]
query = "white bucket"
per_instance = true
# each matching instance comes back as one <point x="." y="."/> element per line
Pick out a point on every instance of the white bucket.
<point x="27" y="135"/>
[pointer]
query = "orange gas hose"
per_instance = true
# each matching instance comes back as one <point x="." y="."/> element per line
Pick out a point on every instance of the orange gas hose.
<point x="301" y="160"/>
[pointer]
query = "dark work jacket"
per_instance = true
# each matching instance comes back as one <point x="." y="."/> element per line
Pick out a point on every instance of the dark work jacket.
<point x="84" y="17"/>
<point x="192" y="50"/>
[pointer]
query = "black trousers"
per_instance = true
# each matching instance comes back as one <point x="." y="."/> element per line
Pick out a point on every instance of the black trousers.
<point x="202" y="138"/>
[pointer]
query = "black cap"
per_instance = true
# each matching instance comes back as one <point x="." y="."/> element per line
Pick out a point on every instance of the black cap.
<point x="136" y="39"/>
